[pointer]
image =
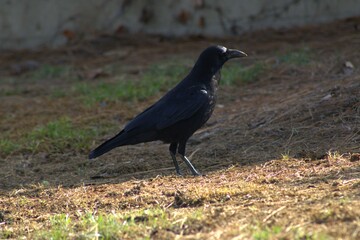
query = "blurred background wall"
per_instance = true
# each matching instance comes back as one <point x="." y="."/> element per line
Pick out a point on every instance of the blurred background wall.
<point x="33" y="23"/>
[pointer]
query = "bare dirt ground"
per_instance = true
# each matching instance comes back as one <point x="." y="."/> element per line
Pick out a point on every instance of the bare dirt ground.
<point x="295" y="128"/>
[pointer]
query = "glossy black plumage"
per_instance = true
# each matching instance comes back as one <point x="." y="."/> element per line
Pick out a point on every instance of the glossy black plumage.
<point x="180" y="112"/>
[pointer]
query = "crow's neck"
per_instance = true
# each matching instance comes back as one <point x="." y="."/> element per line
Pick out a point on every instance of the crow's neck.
<point x="204" y="74"/>
<point x="216" y="79"/>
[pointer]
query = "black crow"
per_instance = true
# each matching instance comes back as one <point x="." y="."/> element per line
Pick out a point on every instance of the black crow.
<point x="180" y="112"/>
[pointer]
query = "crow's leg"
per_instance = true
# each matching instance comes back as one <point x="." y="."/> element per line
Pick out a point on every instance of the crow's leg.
<point x="172" y="150"/>
<point x="181" y="151"/>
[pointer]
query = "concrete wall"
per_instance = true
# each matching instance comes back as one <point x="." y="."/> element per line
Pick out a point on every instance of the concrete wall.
<point x="32" y="23"/>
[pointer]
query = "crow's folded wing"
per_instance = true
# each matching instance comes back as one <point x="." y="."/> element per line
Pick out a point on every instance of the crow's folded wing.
<point x="182" y="107"/>
<point x="174" y="107"/>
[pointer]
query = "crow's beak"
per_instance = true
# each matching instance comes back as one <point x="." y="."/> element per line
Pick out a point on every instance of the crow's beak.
<point x="233" y="53"/>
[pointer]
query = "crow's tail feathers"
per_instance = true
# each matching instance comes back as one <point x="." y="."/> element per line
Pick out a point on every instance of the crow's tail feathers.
<point x="114" y="142"/>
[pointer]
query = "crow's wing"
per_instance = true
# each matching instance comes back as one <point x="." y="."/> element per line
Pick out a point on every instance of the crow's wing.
<point x="182" y="107"/>
<point x="174" y="107"/>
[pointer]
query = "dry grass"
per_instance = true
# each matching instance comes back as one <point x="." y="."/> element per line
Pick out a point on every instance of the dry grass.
<point x="293" y="199"/>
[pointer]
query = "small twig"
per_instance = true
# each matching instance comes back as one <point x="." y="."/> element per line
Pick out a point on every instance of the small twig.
<point x="131" y="174"/>
<point x="273" y="213"/>
<point x="193" y="153"/>
<point x="296" y="226"/>
<point x="291" y="135"/>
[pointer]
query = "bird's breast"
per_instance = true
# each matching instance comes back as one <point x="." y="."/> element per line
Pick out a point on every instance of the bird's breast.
<point x="211" y="90"/>
<point x="213" y="86"/>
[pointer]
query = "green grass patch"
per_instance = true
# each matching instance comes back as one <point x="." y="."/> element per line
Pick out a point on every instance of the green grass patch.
<point x="267" y="233"/>
<point x="59" y="135"/>
<point x="298" y="57"/>
<point x="286" y="156"/>
<point x="158" y="78"/>
<point x="277" y="232"/>
<point x="7" y="147"/>
<point x="10" y="92"/>
<point x="61" y="226"/>
<point x="58" y="93"/>
<point x="135" y="224"/>
<point x="56" y="136"/>
<point x="51" y="71"/>
<point x="233" y="74"/>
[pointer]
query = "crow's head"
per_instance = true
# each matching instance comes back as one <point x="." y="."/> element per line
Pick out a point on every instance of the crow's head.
<point x="213" y="58"/>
